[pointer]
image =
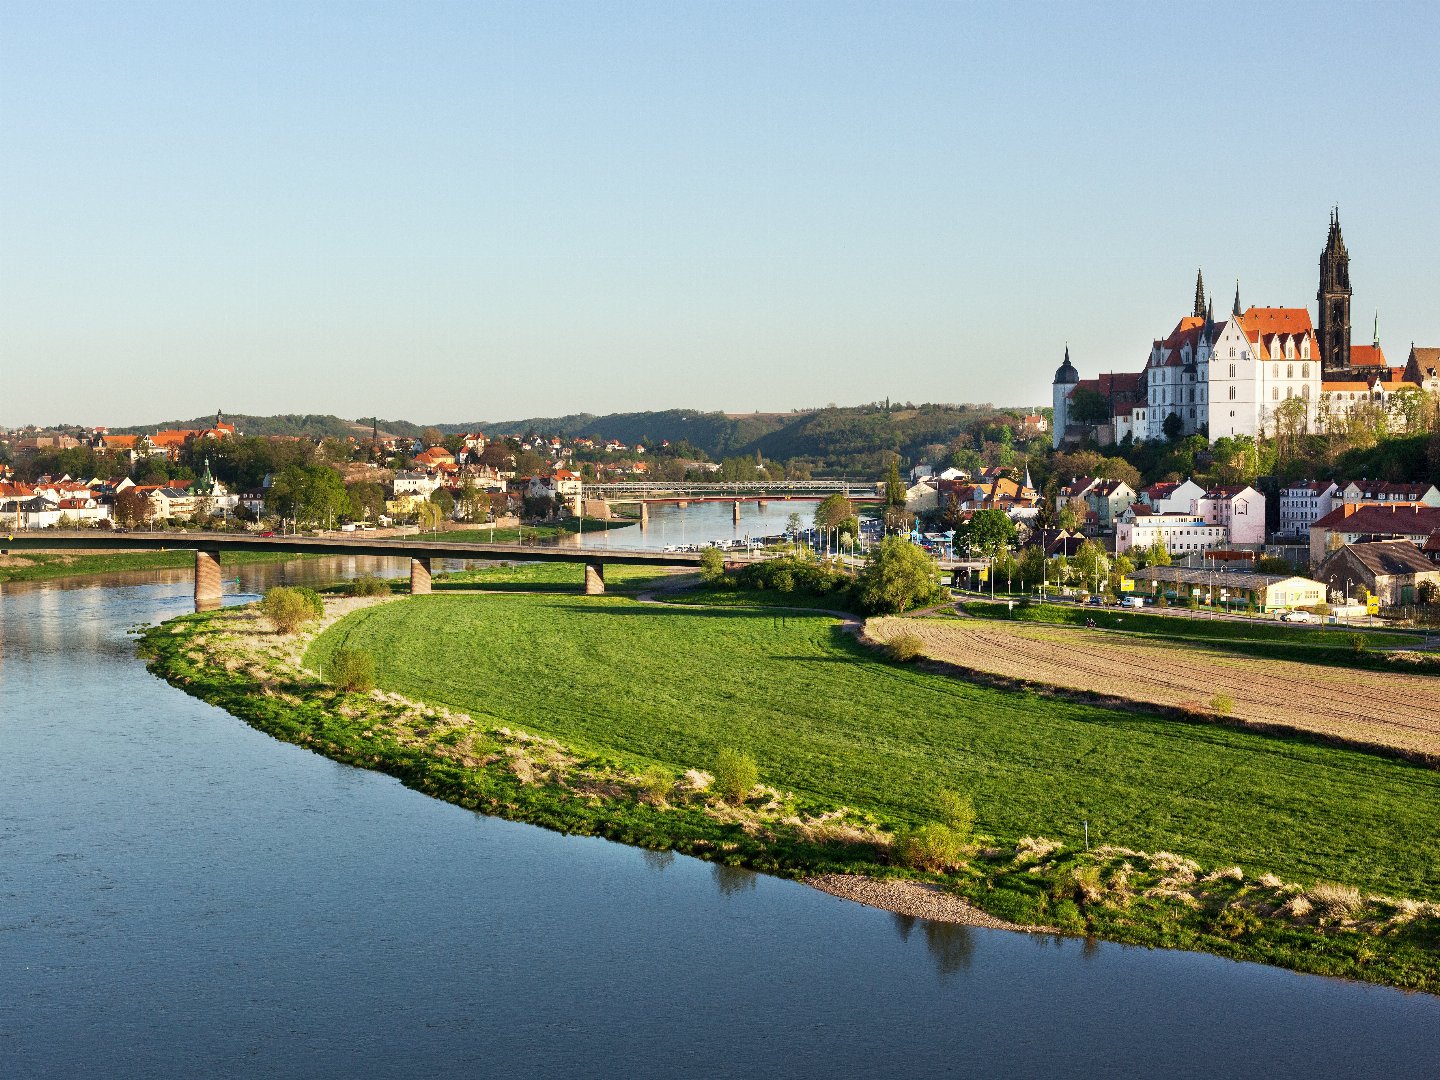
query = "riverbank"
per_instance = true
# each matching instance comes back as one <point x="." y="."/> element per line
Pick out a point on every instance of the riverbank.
<point x="493" y="759"/>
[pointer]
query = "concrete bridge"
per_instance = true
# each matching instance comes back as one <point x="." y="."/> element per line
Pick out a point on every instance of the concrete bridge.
<point x="647" y="493"/>
<point x="209" y="546"/>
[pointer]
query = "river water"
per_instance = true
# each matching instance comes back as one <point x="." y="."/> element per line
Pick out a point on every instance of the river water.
<point x="702" y="522"/>
<point x="182" y="896"/>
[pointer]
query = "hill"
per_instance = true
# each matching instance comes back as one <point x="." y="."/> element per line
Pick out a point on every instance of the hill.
<point x="310" y="425"/>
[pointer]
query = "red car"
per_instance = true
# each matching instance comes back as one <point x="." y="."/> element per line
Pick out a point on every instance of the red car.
<point x="265" y="534"/>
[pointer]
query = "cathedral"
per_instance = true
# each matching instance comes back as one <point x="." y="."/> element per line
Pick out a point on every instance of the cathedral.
<point x="1229" y="377"/>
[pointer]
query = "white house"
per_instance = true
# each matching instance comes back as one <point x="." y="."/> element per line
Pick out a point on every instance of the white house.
<point x="1179" y="534"/>
<point x="1240" y="509"/>
<point x="416" y="482"/>
<point x="1172" y="498"/>
<point x="1304" y="502"/>
<point x="1383" y="492"/>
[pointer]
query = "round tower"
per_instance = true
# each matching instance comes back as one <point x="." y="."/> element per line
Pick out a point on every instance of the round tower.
<point x="1065" y="379"/>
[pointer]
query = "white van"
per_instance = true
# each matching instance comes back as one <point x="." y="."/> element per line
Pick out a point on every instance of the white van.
<point x="1134" y="601"/>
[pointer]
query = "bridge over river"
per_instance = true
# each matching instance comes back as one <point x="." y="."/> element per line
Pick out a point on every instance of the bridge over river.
<point x="208" y="547"/>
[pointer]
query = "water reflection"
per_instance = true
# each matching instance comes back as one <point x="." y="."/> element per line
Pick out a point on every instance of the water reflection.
<point x="951" y="945"/>
<point x="731" y="880"/>
<point x="659" y="861"/>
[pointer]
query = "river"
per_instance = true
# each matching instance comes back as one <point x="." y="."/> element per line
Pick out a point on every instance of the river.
<point x="181" y="895"/>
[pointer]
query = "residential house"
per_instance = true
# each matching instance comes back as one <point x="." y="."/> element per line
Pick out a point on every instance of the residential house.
<point x="1384" y="491"/>
<point x="417" y="483"/>
<point x="1304" y="502"/>
<point x="1239" y="508"/>
<point x="1173" y="498"/>
<point x="1392" y="570"/>
<point x="1108" y="499"/>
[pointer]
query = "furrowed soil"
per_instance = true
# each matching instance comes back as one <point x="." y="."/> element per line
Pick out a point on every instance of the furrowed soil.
<point x="1387" y="710"/>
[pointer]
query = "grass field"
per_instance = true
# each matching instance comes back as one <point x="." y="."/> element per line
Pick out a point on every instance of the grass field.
<point x="46" y="566"/>
<point x="563" y="577"/>
<point x="826" y="719"/>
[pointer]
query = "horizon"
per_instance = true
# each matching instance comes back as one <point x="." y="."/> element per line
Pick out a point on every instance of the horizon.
<point x="546" y="211"/>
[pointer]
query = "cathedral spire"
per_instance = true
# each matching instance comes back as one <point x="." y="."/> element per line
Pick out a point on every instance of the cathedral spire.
<point x="1333" y="303"/>
<point x="1236" y="309"/>
<point x="1199" y="294"/>
<point x="1375" y="338"/>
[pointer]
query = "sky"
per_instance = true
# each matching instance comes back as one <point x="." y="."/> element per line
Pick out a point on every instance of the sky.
<point x="449" y="212"/>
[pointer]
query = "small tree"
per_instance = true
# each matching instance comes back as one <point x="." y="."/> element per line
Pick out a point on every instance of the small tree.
<point x="896" y="577"/>
<point x="131" y="508"/>
<point x="736" y="774"/>
<point x="712" y="566"/>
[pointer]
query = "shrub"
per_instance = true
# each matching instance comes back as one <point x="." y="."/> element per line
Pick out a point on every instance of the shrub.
<point x="656" y="785"/>
<point x="905" y="647"/>
<point x="352" y="670"/>
<point x="934" y="848"/>
<point x="735" y="774"/>
<point x="289" y="608"/>
<point x="315" y="601"/>
<point x="1222" y="704"/>
<point x="367" y="585"/>
<point x="794" y="574"/>
<point x="712" y="566"/>
<point x="1359" y="644"/>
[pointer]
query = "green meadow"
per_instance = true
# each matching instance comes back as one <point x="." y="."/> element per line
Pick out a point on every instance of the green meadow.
<point x="834" y="723"/>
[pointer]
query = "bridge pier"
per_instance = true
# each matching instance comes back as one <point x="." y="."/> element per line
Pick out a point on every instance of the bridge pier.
<point x="208" y="589"/>
<point x="760" y="504"/>
<point x="683" y="504"/>
<point x="736" y="505"/>
<point x="419" y="577"/>
<point x="594" y="577"/>
<point x="644" y="515"/>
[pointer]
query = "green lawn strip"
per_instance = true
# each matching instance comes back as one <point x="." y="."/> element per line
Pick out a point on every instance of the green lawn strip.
<point x="752" y="598"/>
<point x="487" y="535"/>
<point x="45" y="566"/>
<point x="830" y="722"/>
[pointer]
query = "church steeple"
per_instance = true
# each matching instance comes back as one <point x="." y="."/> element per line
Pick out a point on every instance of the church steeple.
<point x="1236" y="309"/>
<point x="1199" y="311"/>
<point x="1333" y="301"/>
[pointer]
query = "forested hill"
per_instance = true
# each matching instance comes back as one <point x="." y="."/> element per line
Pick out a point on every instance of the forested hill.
<point x="309" y="425"/>
<point x="854" y="437"/>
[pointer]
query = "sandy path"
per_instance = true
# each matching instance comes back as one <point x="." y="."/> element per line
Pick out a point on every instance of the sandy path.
<point x="911" y="898"/>
<point x="1389" y="709"/>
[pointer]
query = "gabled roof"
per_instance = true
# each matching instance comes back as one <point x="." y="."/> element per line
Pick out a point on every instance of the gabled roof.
<point x="1391" y="520"/>
<point x="1267" y="322"/>
<point x="1386" y="558"/>
<point x="1367" y="356"/>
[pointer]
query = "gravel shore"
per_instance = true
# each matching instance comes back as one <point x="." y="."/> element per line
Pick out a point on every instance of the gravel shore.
<point x="915" y="898"/>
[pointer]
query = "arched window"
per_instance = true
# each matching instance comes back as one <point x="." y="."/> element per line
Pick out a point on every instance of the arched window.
<point x="1305" y="391"/>
<point x="1305" y="371"/>
<point x="1289" y="392"/>
<point x="1275" y="370"/>
<point x="1289" y="371"/>
<point x="1275" y="394"/>
<point x="1232" y="393"/>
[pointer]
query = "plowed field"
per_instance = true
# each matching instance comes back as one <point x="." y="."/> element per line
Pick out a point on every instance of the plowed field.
<point x="1374" y="708"/>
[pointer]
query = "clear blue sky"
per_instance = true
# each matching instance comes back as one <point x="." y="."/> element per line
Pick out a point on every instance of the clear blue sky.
<point x="457" y="211"/>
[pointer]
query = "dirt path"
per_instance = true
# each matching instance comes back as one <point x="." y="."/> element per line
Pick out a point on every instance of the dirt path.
<point x="1388" y="709"/>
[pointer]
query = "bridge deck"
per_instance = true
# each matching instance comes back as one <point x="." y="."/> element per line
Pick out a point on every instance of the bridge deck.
<point x="406" y="547"/>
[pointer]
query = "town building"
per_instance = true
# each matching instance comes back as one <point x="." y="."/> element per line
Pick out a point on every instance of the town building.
<point x="1384" y="492"/>
<point x="1304" y="502"/>
<point x="1231" y="588"/>
<point x="1240" y="509"/>
<point x="1172" y="497"/>
<point x="1180" y="534"/>
<point x="1391" y="570"/>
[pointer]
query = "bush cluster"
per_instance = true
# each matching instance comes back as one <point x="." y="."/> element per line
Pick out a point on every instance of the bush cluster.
<point x="794" y="574"/>
<point x="367" y="585"/>
<point x="941" y="845"/>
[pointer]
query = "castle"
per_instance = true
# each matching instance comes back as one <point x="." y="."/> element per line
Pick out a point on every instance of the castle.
<point x="1236" y="376"/>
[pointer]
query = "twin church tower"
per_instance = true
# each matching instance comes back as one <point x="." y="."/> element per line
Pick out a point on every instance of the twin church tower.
<point x="1228" y="377"/>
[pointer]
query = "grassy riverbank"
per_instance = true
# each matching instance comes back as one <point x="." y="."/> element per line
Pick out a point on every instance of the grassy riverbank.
<point x="600" y="715"/>
<point x="47" y="566"/>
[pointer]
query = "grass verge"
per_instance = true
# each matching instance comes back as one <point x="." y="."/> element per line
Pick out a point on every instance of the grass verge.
<point x="47" y="566"/>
